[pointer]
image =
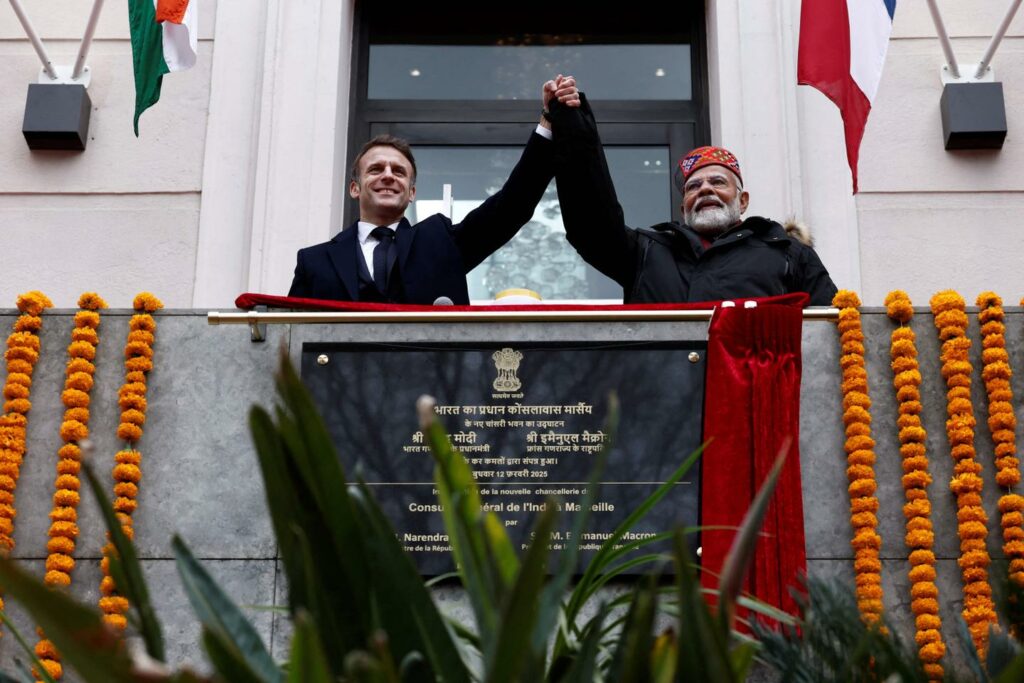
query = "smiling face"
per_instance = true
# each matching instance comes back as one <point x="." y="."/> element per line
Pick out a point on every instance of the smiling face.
<point x="713" y="200"/>
<point x="384" y="186"/>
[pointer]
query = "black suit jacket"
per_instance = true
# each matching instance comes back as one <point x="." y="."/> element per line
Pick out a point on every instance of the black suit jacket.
<point x="434" y="255"/>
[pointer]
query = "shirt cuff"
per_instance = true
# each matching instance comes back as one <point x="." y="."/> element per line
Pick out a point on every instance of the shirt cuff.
<point x="543" y="132"/>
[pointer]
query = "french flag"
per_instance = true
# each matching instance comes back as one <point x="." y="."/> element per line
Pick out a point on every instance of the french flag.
<point x="842" y="51"/>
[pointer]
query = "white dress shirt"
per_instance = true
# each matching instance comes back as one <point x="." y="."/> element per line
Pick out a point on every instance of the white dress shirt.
<point x="367" y="242"/>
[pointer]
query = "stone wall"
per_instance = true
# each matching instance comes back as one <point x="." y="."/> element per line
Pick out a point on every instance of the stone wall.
<point x="201" y="480"/>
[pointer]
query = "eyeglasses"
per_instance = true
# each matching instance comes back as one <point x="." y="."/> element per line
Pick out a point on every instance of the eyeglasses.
<point x="717" y="182"/>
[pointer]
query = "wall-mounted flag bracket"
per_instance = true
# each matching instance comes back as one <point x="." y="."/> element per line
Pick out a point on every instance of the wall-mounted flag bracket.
<point x="58" y="106"/>
<point x="972" y="106"/>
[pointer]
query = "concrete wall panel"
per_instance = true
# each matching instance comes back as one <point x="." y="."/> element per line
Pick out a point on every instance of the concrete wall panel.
<point x="903" y="148"/>
<point x="926" y="242"/>
<point x="962" y="20"/>
<point x="200" y="478"/>
<point x="167" y="157"/>
<point x="116" y="245"/>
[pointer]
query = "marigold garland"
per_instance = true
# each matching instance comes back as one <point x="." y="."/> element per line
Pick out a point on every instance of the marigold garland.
<point x="920" y="537"/>
<point x="138" y="354"/>
<point x="21" y="356"/>
<point x="860" y="458"/>
<point x="78" y="382"/>
<point x="951" y="322"/>
<point x="1002" y="423"/>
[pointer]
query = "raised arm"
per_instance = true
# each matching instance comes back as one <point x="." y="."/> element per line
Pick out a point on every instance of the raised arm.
<point x="593" y="219"/>
<point x="485" y="229"/>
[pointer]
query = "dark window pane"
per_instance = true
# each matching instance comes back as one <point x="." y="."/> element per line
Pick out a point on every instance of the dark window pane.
<point x="516" y="72"/>
<point x="539" y="257"/>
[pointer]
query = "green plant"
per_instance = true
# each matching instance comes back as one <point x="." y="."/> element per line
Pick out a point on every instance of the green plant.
<point x="361" y="612"/>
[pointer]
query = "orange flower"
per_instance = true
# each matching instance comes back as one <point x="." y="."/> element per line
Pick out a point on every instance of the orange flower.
<point x="860" y="458"/>
<point x="85" y="334"/>
<point x="33" y="303"/>
<point x="951" y="321"/>
<point x="126" y="431"/>
<point x="22" y="354"/>
<point x="82" y="381"/>
<point x="919" y="537"/>
<point x="91" y="301"/>
<point x="144" y="301"/>
<point x="127" y="473"/>
<point x="87" y="319"/>
<point x="142" y="322"/>
<point x="898" y="306"/>
<point x="1002" y="422"/>
<point x="130" y="473"/>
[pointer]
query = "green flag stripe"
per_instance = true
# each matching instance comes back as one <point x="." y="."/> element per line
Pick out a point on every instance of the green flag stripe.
<point x="147" y="55"/>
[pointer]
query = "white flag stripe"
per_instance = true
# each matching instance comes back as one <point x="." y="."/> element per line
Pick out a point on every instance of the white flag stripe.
<point x="870" y="26"/>
<point x="181" y="41"/>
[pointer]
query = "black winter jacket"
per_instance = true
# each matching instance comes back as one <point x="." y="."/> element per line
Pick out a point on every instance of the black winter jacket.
<point x="667" y="262"/>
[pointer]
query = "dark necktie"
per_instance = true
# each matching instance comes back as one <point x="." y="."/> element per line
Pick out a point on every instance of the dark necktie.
<point x="383" y="257"/>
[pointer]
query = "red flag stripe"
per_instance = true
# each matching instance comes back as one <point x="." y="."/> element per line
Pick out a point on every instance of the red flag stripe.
<point x="824" y="63"/>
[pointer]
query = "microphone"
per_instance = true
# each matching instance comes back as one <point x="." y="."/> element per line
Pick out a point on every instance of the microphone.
<point x="443" y="301"/>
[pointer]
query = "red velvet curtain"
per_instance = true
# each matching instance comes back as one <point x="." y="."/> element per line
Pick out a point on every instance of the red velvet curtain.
<point x="751" y="406"/>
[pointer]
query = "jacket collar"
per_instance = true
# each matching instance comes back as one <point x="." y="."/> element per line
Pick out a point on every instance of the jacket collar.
<point x="342" y="252"/>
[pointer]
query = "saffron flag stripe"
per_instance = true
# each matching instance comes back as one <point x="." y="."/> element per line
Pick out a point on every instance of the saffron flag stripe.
<point x="870" y="27"/>
<point x="171" y="10"/>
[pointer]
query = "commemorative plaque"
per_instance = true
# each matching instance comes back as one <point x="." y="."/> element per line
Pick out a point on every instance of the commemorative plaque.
<point x="529" y="418"/>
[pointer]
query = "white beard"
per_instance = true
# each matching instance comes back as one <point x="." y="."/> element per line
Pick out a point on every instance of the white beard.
<point x="711" y="223"/>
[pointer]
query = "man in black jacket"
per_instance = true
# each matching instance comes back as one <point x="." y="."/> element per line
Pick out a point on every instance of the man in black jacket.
<point x="715" y="255"/>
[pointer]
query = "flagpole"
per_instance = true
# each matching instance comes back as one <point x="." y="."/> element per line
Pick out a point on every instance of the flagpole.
<point x="90" y="30"/>
<point x="33" y="38"/>
<point x="947" y="47"/>
<point x="997" y="38"/>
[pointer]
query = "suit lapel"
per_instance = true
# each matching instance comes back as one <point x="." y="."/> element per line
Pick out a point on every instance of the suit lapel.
<point x="342" y="251"/>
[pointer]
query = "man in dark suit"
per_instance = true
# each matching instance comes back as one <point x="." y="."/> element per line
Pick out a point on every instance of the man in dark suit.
<point x="382" y="258"/>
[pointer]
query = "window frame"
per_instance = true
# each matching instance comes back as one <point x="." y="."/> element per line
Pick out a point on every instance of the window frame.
<point x="678" y="124"/>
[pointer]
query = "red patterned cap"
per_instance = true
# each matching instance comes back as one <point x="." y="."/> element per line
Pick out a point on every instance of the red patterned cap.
<point x="706" y="156"/>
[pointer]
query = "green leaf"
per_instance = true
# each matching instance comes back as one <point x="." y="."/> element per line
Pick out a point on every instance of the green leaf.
<point x="582" y="668"/>
<point x="741" y="552"/>
<point x="607" y="552"/>
<point x="127" y="571"/>
<point x="217" y="612"/>
<point x="553" y="598"/>
<point x="227" y="661"/>
<point x="306" y="490"/>
<point x="664" y="658"/>
<point x="84" y="641"/>
<point x="484" y="557"/>
<point x="308" y="663"/>
<point x="405" y="608"/>
<point x="743" y="659"/>
<point x="632" y="660"/>
<point x="1013" y="672"/>
<point x="512" y="657"/>
<point x="29" y="650"/>
<point x="703" y="649"/>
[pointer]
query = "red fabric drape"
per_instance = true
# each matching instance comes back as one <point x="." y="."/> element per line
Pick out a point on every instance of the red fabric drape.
<point x="751" y="406"/>
<point x="250" y="300"/>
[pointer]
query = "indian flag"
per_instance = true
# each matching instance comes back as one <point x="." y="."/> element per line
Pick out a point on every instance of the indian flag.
<point x="164" y="39"/>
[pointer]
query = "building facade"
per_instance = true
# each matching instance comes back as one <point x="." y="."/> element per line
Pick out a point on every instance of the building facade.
<point x="244" y="160"/>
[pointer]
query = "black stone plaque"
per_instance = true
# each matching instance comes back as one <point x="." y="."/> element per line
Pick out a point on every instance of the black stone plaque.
<point x="528" y="417"/>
